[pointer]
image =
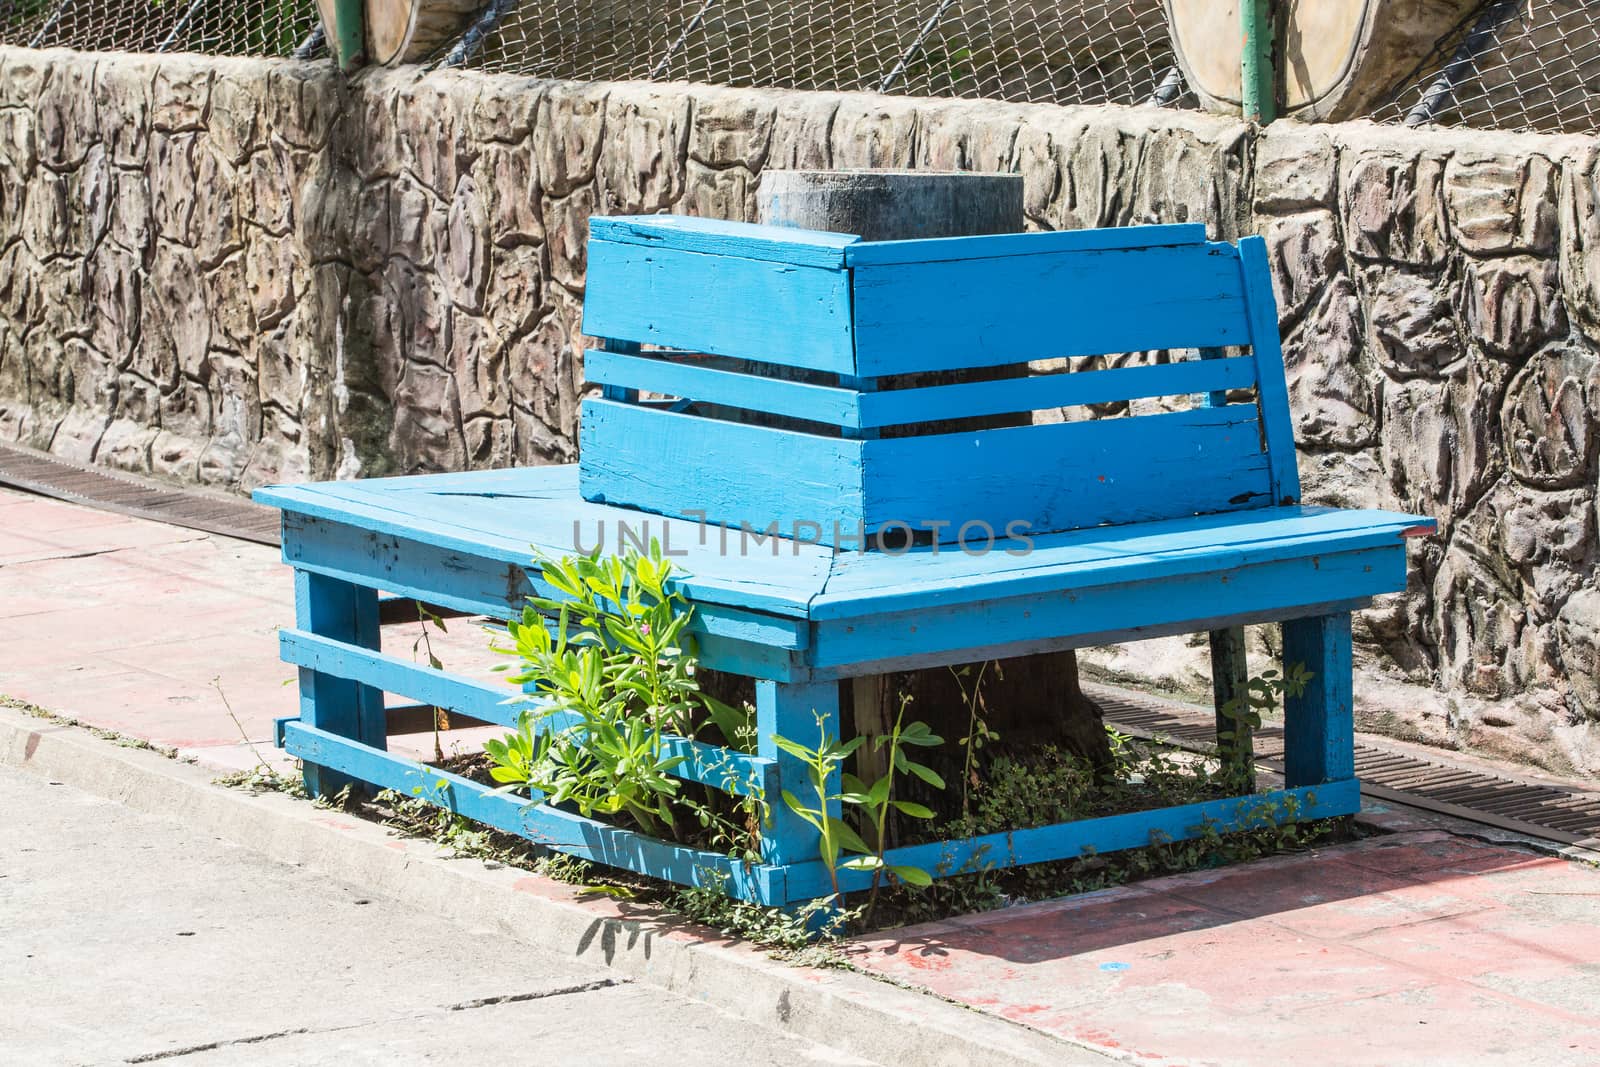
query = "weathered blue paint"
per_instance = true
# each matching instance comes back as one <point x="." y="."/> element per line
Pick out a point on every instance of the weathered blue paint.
<point x="952" y="314"/>
<point x="1276" y="421"/>
<point x="343" y="612"/>
<point x="738" y="240"/>
<point x="871" y="310"/>
<point x="795" y="315"/>
<point x="1110" y="833"/>
<point x="1134" y="527"/>
<point x="544" y="825"/>
<point x="806" y="714"/>
<point x="1319" y="725"/>
<point x="988" y="246"/>
<point x="692" y="375"/>
<point x="645" y="458"/>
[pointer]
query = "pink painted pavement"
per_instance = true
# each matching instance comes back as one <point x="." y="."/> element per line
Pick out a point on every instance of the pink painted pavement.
<point x="1420" y="947"/>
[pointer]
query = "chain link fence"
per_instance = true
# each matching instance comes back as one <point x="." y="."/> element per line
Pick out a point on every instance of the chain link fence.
<point x="1512" y="64"/>
<point x="218" y="27"/>
<point x="1111" y="51"/>
<point x="1515" y="64"/>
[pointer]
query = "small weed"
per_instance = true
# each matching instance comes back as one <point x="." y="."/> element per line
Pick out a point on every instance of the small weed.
<point x="264" y="780"/>
<point x="804" y="935"/>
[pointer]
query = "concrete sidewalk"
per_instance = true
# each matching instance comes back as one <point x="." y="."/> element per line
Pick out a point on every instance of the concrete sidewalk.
<point x="127" y="938"/>
<point x="1427" y="946"/>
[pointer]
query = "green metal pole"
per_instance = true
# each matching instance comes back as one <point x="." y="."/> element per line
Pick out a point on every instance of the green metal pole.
<point x="1259" y="96"/>
<point x="350" y="33"/>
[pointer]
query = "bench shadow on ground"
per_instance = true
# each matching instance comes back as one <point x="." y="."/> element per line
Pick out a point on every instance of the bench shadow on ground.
<point x="1331" y="893"/>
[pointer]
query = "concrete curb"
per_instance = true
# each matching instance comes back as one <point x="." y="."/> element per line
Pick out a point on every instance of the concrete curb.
<point x="844" y="1010"/>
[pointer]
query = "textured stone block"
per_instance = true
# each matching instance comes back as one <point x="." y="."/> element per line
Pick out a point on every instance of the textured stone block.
<point x="1393" y="206"/>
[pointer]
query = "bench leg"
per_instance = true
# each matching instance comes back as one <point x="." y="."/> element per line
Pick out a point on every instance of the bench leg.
<point x="349" y="613"/>
<point x="790" y="711"/>
<point x="1319" y="725"/>
<point x="1230" y="680"/>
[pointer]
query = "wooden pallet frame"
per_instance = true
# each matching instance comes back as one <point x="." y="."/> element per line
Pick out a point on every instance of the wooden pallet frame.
<point x="1156" y="524"/>
<point x="341" y="730"/>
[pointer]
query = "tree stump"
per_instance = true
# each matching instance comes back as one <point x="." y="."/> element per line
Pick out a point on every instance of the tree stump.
<point x="1033" y="700"/>
<point x="1336" y="59"/>
<point x="404" y="31"/>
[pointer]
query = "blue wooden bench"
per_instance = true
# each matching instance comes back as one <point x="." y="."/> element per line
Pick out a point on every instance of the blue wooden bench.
<point x="1154" y="523"/>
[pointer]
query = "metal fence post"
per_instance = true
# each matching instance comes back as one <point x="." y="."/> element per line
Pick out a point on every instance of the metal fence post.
<point x="350" y="33"/>
<point x="1259" y="95"/>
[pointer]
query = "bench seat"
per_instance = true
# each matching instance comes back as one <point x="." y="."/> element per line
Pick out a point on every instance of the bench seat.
<point x="758" y="376"/>
<point x="504" y="515"/>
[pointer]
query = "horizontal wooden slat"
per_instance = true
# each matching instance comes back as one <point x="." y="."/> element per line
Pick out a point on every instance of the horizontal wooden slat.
<point x="794" y="315"/>
<point x="745" y="240"/>
<point x="981" y="312"/>
<point x="539" y="823"/>
<point x="855" y="410"/>
<point x="672" y="463"/>
<point x="968" y="399"/>
<point x="752" y="391"/>
<point x="929" y="250"/>
<point x="732" y="772"/>
<point x="1111" y="833"/>
<point x="1072" y="475"/>
<point x="1112" y="612"/>
<point x="504" y="516"/>
<point x="762" y="646"/>
<point x="1009" y="646"/>
<point x="924" y="578"/>
<point x="392" y="674"/>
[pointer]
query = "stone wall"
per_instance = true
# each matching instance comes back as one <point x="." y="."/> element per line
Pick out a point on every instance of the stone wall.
<point x="231" y="272"/>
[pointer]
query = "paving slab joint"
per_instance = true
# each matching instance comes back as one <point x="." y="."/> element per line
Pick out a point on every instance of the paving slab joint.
<point x="842" y="1009"/>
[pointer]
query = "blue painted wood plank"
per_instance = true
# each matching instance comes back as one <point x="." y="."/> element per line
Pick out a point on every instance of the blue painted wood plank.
<point x="733" y="772"/>
<point x="563" y="831"/>
<point x="464" y="583"/>
<point x="749" y="477"/>
<point x="391" y="674"/>
<point x="1111" y="833"/>
<point x="1038" y="392"/>
<point x="856" y="583"/>
<point x="931" y="250"/>
<point x="464" y="518"/>
<point x="774" y="312"/>
<point x="1319" y="725"/>
<point x="1070" y="475"/>
<point x="743" y="240"/>
<point x="983" y="312"/>
<point x="803" y="713"/>
<point x="1009" y="646"/>
<point x="872" y="583"/>
<point x="678" y="376"/>
<point x="614" y="391"/>
<point x="1276" y="421"/>
<point x="1191" y="601"/>
<point x="345" y="612"/>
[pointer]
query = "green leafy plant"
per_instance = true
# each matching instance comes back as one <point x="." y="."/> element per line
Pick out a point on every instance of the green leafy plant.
<point x="978" y="732"/>
<point x="612" y="674"/>
<point x="1262" y="694"/>
<point x="842" y="846"/>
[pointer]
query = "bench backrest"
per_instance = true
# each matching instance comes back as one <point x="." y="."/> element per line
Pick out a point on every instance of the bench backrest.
<point x="812" y="325"/>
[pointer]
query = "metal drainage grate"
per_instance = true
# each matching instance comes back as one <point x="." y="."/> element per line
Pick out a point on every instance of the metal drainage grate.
<point x="140" y="498"/>
<point x="1556" y="813"/>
